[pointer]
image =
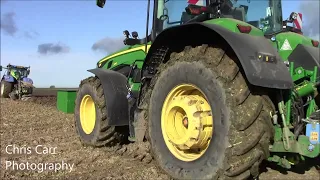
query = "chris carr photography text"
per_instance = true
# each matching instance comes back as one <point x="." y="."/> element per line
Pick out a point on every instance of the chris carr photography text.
<point x="38" y="150"/>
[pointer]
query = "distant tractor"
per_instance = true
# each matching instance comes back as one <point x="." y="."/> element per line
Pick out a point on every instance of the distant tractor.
<point x="217" y="87"/>
<point x="15" y="82"/>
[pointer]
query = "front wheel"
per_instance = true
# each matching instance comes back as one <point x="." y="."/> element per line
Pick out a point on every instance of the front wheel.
<point x="5" y="88"/>
<point x="204" y="121"/>
<point x="91" y="118"/>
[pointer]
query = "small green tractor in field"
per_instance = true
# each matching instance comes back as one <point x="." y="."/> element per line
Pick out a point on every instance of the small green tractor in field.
<point x="217" y="87"/>
<point x="15" y="82"/>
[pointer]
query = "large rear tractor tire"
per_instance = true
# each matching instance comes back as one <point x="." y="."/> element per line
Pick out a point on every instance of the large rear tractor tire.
<point x="204" y="120"/>
<point x="91" y="118"/>
<point x="5" y="89"/>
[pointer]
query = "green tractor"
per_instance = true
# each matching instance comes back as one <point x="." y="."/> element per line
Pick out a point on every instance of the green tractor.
<point x="217" y="87"/>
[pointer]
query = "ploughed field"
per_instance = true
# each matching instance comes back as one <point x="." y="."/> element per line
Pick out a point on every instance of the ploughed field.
<point x="39" y="142"/>
<point x="43" y="92"/>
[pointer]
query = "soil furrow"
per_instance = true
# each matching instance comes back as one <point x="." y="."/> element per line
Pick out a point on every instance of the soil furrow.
<point x="28" y="124"/>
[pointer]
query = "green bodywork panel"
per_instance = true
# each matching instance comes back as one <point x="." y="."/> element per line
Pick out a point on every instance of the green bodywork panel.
<point x="129" y="55"/>
<point x="294" y="39"/>
<point x="231" y="24"/>
<point x="122" y="57"/>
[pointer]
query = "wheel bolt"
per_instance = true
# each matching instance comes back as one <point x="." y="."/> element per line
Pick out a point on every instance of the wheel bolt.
<point x="185" y="122"/>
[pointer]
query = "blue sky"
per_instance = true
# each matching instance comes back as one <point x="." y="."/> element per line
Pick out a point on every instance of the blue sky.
<point x="75" y="26"/>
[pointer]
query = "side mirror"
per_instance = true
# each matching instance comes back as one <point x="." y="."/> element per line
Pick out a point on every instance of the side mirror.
<point x="126" y="33"/>
<point x="134" y="34"/>
<point x="101" y="3"/>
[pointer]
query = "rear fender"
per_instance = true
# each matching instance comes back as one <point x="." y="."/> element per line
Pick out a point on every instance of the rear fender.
<point x="8" y="78"/>
<point x="115" y="90"/>
<point x="246" y="47"/>
<point x="27" y="80"/>
<point x="306" y="57"/>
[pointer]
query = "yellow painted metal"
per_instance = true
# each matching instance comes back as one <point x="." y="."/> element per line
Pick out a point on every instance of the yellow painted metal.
<point x="186" y="122"/>
<point x="87" y="114"/>
<point x="140" y="48"/>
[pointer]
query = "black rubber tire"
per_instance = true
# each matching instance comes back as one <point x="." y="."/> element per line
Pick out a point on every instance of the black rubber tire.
<point x="31" y="91"/>
<point x="8" y="86"/>
<point x="102" y="135"/>
<point x="242" y="124"/>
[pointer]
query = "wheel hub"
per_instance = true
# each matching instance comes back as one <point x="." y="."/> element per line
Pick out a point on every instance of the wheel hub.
<point x="186" y="122"/>
<point x="87" y="114"/>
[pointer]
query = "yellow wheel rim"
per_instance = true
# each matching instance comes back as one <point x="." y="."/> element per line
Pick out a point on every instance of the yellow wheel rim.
<point x="186" y="122"/>
<point x="87" y="114"/>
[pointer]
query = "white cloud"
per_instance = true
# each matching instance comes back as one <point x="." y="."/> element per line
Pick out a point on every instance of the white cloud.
<point x="310" y="16"/>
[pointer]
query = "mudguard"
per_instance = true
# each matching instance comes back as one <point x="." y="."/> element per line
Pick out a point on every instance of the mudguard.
<point x="8" y="78"/>
<point x="306" y="57"/>
<point x="246" y="47"/>
<point x="115" y="91"/>
<point x="27" y="80"/>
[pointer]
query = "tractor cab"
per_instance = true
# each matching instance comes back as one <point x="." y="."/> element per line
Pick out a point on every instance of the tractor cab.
<point x="14" y="73"/>
<point x="18" y="71"/>
<point x="265" y="15"/>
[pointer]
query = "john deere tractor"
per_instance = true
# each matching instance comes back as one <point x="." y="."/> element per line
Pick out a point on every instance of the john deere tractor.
<point x="15" y="82"/>
<point x="215" y="88"/>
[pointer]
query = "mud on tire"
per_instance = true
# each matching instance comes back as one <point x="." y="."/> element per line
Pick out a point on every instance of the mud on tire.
<point x="242" y="124"/>
<point x="102" y="134"/>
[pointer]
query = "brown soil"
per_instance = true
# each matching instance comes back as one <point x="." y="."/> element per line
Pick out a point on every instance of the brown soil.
<point x="49" y="91"/>
<point x="37" y="122"/>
